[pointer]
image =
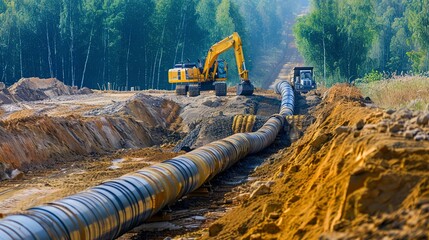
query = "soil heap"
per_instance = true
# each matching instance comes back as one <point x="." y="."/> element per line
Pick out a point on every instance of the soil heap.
<point x="359" y="171"/>
<point x="33" y="89"/>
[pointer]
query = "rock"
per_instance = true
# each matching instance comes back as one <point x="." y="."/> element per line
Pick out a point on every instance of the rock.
<point x="413" y="120"/>
<point x="412" y="127"/>
<point x="257" y="184"/>
<point x="342" y="129"/>
<point x="294" y="168"/>
<point x="294" y="199"/>
<point x="16" y="174"/>
<point x="2" y="86"/>
<point x="274" y="215"/>
<point x="215" y="229"/>
<point x="360" y="124"/>
<point x="404" y="114"/>
<point x="382" y="127"/>
<point x="409" y="134"/>
<point x="423" y="119"/>
<point x="370" y="127"/>
<point x="243" y="197"/>
<point x="3" y="174"/>
<point x="271" y="228"/>
<point x="261" y="190"/>
<point x="256" y="236"/>
<point x="368" y="100"/>
<point x="378" y="114"/>
<point x="272" y="207"/>
<point x="320" y="140"/>
<point x="396" y="127"/>
<point x="390" y="111"/>
<point x="208" y="103"/>
<point x="199" y="218"/>
<point x="84" y="90"/>
<point x="420" y="137"/>
<point x="270" y="183"/>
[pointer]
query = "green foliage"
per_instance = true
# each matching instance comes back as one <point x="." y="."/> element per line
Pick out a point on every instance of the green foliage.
<point x="126" y="42"/>
<point x="418" y="60"/>
<point x="337" y="34"/>
<point x="418" y="20"/>
<point x="358" y="36"/>
<point x="373" y="76"/>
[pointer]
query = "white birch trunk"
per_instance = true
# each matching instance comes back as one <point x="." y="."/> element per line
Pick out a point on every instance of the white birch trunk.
<point x="20" y="53"/>
<point x="51" y="72"/>
<point x="87" y="56"/>
<point x="127" y="66"/>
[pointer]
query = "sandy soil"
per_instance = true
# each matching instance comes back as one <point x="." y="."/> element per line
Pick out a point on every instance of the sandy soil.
<point x="60" y="180"/>
<point x="351" y="175"/>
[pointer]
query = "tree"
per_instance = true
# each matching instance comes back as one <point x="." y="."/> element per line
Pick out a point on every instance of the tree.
<point x="418" y="19"/>
<point x="336" y="36"/>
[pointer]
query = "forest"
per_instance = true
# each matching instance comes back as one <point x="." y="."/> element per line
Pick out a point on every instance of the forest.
<point x="128" y="42"/>
<point x="348" y="39"/>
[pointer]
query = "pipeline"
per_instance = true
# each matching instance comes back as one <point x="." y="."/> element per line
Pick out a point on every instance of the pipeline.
<point x="116" y="206"/>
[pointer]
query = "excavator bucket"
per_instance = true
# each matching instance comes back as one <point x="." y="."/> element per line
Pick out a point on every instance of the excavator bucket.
<point x="245" y="88"/>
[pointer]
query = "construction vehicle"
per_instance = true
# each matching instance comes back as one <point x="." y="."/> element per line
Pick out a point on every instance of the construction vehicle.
<point x="211" y="73"/>
<point x="303" y="79"/>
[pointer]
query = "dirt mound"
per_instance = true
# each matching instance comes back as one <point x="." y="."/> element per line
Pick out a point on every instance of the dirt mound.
<point x="153" y="111"/>
<point x="33" y="89"/>
<point x="34" y="141"/>
<point x="5" y="96"/>
<point x="345" y="177"/>
<point x="31" y="140"/>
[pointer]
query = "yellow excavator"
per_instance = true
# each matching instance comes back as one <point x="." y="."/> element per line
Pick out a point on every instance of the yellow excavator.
<point x="212" y="74"/>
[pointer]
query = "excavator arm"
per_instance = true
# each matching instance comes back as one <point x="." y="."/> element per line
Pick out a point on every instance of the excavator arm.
<point x="233" y="41"/>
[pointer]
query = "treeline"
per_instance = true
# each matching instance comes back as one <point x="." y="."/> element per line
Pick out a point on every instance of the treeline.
<point x="127" y="42"/>
<point x="348" y="38"/>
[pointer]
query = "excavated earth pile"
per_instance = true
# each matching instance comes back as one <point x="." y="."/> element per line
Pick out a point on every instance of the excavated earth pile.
<point x="357" y="172"/>
<point x="40" y="140"/>
<point x="33" y="89"/>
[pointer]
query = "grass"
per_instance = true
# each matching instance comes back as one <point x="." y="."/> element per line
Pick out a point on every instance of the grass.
<point x="398" y="92"/>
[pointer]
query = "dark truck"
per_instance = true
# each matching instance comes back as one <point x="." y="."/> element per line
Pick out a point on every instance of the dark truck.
<point x="303" y="79"/>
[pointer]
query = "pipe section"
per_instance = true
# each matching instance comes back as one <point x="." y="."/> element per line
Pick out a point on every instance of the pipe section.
<point x="116" y="206"/>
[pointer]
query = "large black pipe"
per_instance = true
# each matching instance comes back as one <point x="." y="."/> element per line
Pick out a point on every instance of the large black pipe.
<point x="116" y="206"/>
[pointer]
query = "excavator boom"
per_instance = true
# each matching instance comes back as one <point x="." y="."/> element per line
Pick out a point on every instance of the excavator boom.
<point x="233" y="41"/>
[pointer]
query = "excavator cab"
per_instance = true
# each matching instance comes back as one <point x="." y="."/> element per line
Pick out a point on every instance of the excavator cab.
<point x="189" y="78"/>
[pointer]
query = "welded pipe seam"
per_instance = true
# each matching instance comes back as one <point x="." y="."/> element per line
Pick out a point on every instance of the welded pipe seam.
<point x="116" y="206"/>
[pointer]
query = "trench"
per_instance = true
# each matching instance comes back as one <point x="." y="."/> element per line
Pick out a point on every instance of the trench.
<point x="116" y="206"/>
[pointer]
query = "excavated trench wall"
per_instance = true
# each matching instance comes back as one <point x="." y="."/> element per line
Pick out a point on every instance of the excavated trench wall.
<point x="37" y="141"/>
